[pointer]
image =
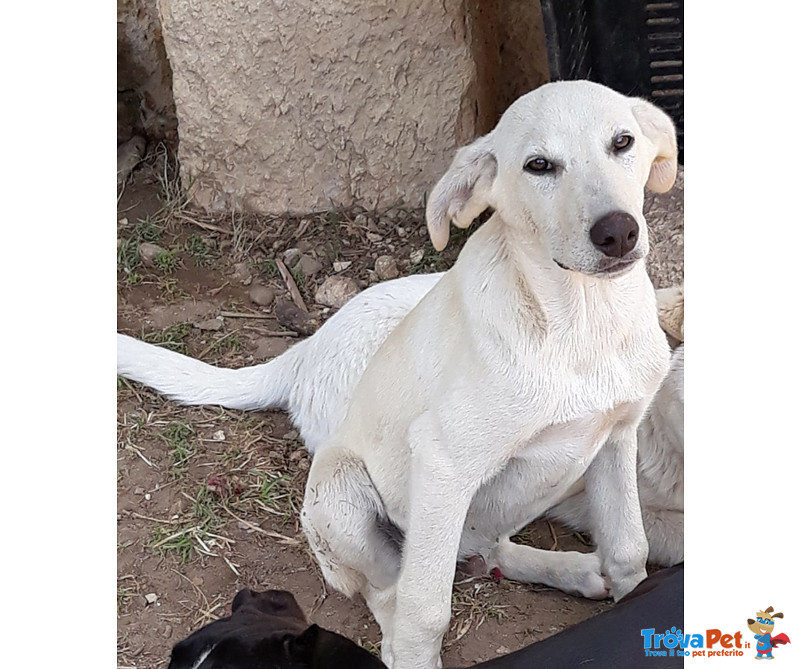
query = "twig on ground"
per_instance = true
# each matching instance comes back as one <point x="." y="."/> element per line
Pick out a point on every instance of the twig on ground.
<point x="554" y="547"/>
<point x="283" y="539"/>
<point x="297" y="298"/>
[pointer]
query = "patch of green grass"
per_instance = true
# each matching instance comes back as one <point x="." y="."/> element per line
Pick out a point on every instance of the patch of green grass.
<point x="124" y="596"/>
<point x="334" y="249"/>
<point x="332" y="218"/>
<point x="273" y="489"/>
<point x="174" y="337"/>
<point x="202" y="252"/>
<point x="227" y="343"/>
<point x="179" y="446"/>
<point x="170" y="289"/>
<point x="194" y="534"/>
<point x="180" y="545"/>
<point x="167" y="261"/>
<point x="269" y="267"/>
<point x="298" y="276"/>
<point x="131" y="237"/>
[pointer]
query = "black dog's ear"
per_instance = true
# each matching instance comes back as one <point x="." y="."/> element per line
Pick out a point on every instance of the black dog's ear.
<point x="242" y="598"/>
<point x="301" y="648"/>
<point x="272" y="602"/>
<point x="322" y="649"/>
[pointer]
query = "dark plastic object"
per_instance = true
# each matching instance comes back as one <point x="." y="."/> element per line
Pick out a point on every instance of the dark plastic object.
<point x="632" y="46"/>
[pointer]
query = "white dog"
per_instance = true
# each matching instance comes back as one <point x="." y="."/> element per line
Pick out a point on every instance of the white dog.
<point x="525" y="367"/>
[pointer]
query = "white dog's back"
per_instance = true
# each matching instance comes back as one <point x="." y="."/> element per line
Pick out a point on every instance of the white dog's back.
<point x="314" y="380"/>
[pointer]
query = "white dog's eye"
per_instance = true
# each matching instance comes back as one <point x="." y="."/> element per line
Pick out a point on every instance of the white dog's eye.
<point x="622" y="142"/>
<point x="539" y="165"/>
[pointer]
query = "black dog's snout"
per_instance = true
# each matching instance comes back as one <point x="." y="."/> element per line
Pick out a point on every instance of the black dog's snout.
<point x="615" y="234"/>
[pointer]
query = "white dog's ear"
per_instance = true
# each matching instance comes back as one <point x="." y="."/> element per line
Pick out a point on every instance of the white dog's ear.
<point x="660" y="130"/>
<point x="462" y="193"/>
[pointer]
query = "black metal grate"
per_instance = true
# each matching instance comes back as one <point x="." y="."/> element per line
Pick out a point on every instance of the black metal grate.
<point x="635" y="47"/>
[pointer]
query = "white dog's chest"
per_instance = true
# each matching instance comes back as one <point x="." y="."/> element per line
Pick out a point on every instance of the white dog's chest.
<point x="534" y="479"/>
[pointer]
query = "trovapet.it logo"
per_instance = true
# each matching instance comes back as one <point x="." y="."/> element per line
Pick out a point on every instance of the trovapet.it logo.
<point x="714" y="642"/>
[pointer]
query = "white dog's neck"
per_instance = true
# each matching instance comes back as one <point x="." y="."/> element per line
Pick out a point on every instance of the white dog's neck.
<point x="546" y="299"/>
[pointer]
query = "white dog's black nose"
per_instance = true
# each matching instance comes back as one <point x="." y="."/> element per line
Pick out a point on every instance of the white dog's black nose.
<point x="615" y="234"/>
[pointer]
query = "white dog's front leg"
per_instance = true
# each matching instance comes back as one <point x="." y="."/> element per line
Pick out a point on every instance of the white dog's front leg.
<point x="615" y="512"/>
<point x="441" y="492"/>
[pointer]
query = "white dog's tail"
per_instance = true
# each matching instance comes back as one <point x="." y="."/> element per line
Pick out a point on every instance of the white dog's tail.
<point x="191" y="381"/>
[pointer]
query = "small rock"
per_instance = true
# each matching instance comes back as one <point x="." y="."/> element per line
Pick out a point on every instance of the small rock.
<point x="212" y="324"/>
<point x="304" y="246"/>
<point x="335" y="291"/>
<point x="151" y="598"/>
<point x="289" y="315"/>
<point x="417" y="256"/>
<point x="299" y="454"/>
<point x="123" y="222"/>
<point x="129" y="155"/>
<point x="219" y="435"/>
<point x="308" y="265"/>
<point x="386" y="268"/>
<point x="303" y="465"/>
<point x="401" y="231"/>
<point x="138" y="491"/>
<point x="167" y="633"/>
<point x="149" y="252"/>
<point x="341" y="265"/>
<point x="502" y="650"/>
<point x="241" y="272"/>
<point x="291" y="257"/>
<point x="374" y="237"/>
<point x="291" y="435"/>
<point x="263" y="296"/>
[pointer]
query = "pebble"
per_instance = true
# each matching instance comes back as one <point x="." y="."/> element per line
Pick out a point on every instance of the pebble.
<point x="219" y="435"/>
<point x="374" y="237"/>
<point x="149" y="252"/>
<point x="212" y="324"/>
<point x="263" y="296"/>
<point x="151" y="598"/>
<point x="291" y="257"/>
<point x="291" y="435"/>
<point x="336" y="291"/>
<point x="308" y="265"/>
<point x="341" y="265"/>
<point x="386" y="268"/>
<point x="417" y="256"/>
<point x="241" y="272"/>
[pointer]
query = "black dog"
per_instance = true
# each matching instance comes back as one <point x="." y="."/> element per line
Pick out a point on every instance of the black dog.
<point x="267" y="630"/>
<point x="613" y="639"/>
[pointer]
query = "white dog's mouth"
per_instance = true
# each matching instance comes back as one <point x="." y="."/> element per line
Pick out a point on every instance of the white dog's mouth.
<point x="610" y="270"/>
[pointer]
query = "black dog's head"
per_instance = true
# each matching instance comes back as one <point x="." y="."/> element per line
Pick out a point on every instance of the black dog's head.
<point x="267" y="630"/>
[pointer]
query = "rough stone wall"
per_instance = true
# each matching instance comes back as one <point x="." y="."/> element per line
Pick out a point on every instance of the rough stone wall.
<point x="298" y="105"/>
<point x="522" y="50"/>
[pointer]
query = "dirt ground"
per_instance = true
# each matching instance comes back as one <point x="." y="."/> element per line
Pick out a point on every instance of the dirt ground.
<point x="208" y="499"/>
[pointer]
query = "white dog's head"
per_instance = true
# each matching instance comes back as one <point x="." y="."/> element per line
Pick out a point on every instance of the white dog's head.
<point x="567" y="164"/>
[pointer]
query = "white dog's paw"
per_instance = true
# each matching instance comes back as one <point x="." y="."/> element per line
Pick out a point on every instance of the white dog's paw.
<point x="586" y="577"/>
<point x="621" y="587"/>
